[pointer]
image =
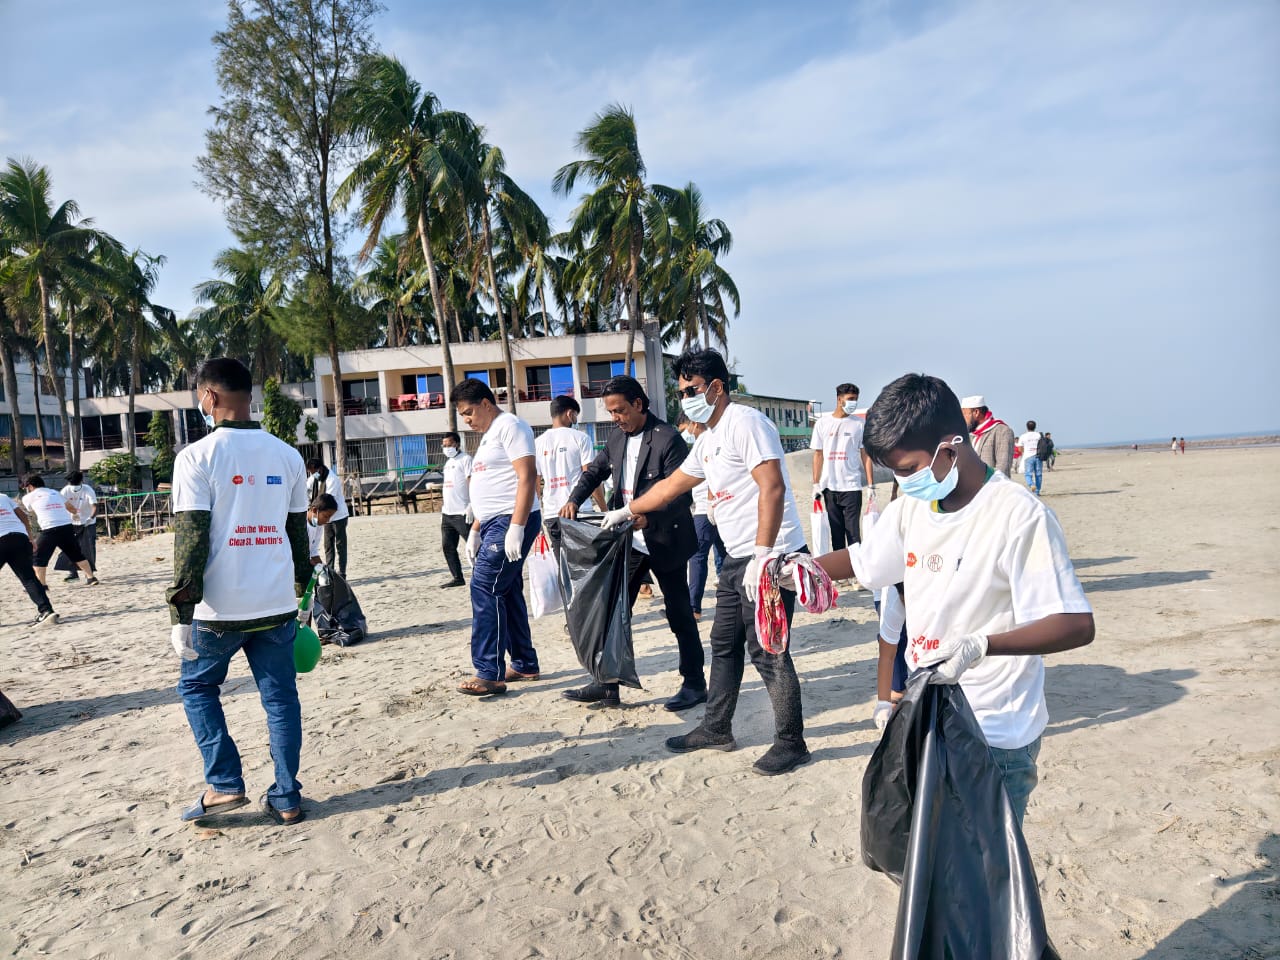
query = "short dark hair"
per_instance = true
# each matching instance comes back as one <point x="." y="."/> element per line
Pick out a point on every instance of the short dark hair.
<point x="225" y="373"/>
<point x="452" y="435"/>
<point x="472" y="390"/>
<point x="682" y="417"/>
<point x="1031" y="424"/>
<point x="75" y="478"/>
<point x="563" y="404"/>
<point x="324" y="501"/>
<point x="847" y="388"/>
<point x="314" y="463"/>
<point x="628" y="388"/>
<point x="33" y="480"/>
<point x="707" y="364"/>
<point x="915" y="412"/>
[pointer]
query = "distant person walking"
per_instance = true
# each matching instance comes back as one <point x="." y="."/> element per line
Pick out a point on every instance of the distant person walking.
<point x="1051" y="452"/>
<point x="1173" y="445"/>
<point x="1182" y="445"/>
<point x="82" y="502"/>
<point x="1031" y="464"/>
<point x="320" y="479"/>
<point x="992" y="438"/>
<point x="841" y="468"/>
<point x="455" y="505"/>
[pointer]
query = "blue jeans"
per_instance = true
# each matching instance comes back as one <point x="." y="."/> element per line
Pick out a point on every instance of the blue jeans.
<point x="1020" y="774"/>
<point x="499" y="617"/>
<point x="270" y="656"/>
<point x="708" y="539"/>
<point x="1033" y="466"/>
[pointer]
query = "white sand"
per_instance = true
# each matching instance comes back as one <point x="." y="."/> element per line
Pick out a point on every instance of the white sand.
<point x="527" y="826"/>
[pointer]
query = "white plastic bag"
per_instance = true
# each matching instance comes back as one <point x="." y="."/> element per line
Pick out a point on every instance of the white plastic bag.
<point x="544" y="578"/>
<point x="820" y="528"/>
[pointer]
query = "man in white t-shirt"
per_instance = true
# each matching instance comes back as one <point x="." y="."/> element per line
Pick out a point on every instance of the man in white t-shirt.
<point x="988" y="582"/>
<point x="1032" y="465"/>
<point x="455" y="505"/>
<point x="319" y="513"/>
<point x="504" y="500"/>
<point x="320" y="479"/>
<point x="82" y="503"/>
<point x="841" y="468"/>
<point x="240" y="560"/>
<point x="563" y="452"/>
<point x="16" y="551"/>
<point x="56" y="529"/>
<point x="741" y="459"/>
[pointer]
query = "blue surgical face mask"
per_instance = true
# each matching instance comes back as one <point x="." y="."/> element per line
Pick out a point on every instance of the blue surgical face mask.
<point x="850" y="406"/>
<point x="696" y="408"/>
<point x="208" y="417"/>
<point x="923" y="485"/>
<point x="687" y="436"/>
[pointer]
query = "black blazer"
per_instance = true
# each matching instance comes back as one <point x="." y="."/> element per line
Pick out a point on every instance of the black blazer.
<point x="670" y="535"/>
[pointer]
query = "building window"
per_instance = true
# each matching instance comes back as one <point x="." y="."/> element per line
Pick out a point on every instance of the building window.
<point x="101" y="433"/>
<point x="493" y="379"/>
<point x="366" y="457"/>
<point x="543" y="383"/>
<point x="600" y="372"/>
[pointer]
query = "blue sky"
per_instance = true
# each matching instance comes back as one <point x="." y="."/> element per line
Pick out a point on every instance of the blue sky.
<point x="1071" y="208"/>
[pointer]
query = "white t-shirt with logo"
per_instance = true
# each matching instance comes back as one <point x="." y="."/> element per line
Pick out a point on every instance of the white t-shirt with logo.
<point x="50" y="508"/>
<point x="493" y="478"/>
<point x="1029" y="442"/>
<point x="628" y="482"/>
<point x="724" y="456"/>
<point x="10" y="522"/>
<point x="315" y="535"/>
<point x="80" y="501"/>
<point x="250" y="482"/>
<point x="456" y="496"/>
<point x="999" y="563"/>
<point x="840" y="440"/>
<point x="562" y="454"/>
<point x="700" y="505"/>
<point x="331" y="485"/>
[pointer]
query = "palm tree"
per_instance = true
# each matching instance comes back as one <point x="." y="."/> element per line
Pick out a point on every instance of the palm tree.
<point x="691" y="285"/>
<point x="243" y="306"/>
<point x="413" y="163"/>
<point x="383" y="286"/>
<point x="612" y="217"/>
<point x="44" y="248"/>
<point x="137" y="321"/>
<point x="8" y="348"/>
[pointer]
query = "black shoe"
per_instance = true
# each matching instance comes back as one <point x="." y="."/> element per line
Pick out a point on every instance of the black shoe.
<point x="686" y="698"/>
<point x="699" y="739"/>
<point x="782" y="758"/>
<point x="452" y="583"/>
<point x="92" y="582"/>
<point x="46" y="618"/>
<point x="71" y="576"/>
<point x="605" y="694"/>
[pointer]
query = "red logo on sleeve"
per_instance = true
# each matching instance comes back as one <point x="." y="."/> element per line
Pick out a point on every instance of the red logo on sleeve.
<point x="237" y="479"/>
<point x="911" y="560"/>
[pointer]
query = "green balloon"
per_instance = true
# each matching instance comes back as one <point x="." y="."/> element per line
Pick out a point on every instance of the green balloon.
<point x="306" y="649"/>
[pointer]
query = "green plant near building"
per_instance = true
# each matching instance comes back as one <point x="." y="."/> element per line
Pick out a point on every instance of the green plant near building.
<point x="117" y="470"/>
<point x="280" y="413"/>
<point x="160" y="436"/>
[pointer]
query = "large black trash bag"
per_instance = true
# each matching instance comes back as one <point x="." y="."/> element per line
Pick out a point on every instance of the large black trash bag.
<point x="593" y="577"/>
<point x="336" y="611"/>
<point x="936" y="818"/>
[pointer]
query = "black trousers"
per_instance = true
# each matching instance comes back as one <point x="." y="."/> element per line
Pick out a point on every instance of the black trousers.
<point x="57" y="538"/>
<point x="15" y="550"/>
<point x="335" y="545"/>
<point x="674" y="585"/>
<point x="844" y="514"/>
<point x="453" y="527"/>
<point x="733" y="637"/>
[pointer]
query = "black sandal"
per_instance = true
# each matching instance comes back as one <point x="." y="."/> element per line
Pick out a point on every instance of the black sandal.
<point x="280" y="819"/>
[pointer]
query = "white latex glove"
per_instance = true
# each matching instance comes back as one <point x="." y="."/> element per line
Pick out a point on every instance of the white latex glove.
<point x="817" y="491"/>
<point x="180" y="637"/>
<point x="514" y="542"/>
<point x="751" y="578"/>
<point x="881" y="714"/>
<point x="469" y="515"/>
<point x="870" y="493"/>
<point x="954" y="657"/>
<point x="473" y="546"/>
<point x="615" y="518"/>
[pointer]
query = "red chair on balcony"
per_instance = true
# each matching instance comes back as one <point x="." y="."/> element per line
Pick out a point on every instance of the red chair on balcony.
<point x="406" y="401"/>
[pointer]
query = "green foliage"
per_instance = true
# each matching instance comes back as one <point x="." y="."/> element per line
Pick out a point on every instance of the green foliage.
<point x="117" y="470"/>
<point x="312" y="430"/>
<point x="280" y="413"/>
<point x="673" y="388"/>
<point x="160" y="436"/>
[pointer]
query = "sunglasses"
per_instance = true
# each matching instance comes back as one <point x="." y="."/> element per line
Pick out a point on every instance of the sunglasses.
<point x="691" y="392"/>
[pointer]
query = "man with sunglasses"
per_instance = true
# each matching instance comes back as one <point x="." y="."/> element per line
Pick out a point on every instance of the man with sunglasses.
<point x="741" y="459"/>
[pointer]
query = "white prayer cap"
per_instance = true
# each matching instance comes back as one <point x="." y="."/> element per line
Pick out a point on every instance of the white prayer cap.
<point x="972" y="403"/>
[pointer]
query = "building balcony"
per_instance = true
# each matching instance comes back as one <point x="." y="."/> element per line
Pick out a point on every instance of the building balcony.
<point x="417" y="401"/>
<point x="354" y="407"/>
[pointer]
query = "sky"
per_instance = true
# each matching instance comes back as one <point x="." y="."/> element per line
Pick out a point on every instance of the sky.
<point x="1070" y="208"/>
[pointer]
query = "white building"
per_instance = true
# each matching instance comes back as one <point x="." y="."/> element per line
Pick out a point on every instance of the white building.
<point x="26" y="404"/>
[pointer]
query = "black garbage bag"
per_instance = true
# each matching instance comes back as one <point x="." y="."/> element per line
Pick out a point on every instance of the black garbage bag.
<point x="593" y="576"/>
<point x="937" y="819"/>
<point x="336" y="613"/>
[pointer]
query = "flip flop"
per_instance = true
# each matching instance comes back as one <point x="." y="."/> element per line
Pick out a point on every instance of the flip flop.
<point x="477" y="687"/>
<point x="198" y="810"/>
<point x="278" y="817"/>
<point x="515" y="676"/>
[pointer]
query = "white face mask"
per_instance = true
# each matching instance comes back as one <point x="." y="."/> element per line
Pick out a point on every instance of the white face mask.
<point x="850" y="406"/>
<point x="208" y="417"/>
<point x="450" y="452"/>
<point x="688" y="436"/>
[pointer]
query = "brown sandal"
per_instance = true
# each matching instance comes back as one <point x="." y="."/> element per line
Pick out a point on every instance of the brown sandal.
<point x="515" y="676"/>
<point x="479" y="687"/>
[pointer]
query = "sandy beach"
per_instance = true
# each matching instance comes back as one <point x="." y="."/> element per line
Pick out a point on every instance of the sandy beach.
<point x="526" y="826"/>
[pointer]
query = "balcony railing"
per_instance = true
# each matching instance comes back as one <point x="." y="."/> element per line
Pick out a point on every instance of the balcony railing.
<point x="595" y="388"/>
<point x="417" y="401"/>
<point x="354" y="407"/>
<point x="109" y="442"/>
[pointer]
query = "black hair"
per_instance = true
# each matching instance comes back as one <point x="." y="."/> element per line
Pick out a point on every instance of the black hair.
<point x="563" y="404"/>
<point x="847" y="388"/>
<point x="628" y="388"/>
<point x="472" y="390"/>
<point x="452" y="435"/>
<point x="33" y="480"/>
<point x="915" y="412"/>
<point x="682" y="417"/>
<point x="225" y="373"/>
<point x="316" y="464"/>
<point x="75" y="478"/>
<point x="324" y="501"/>
<point x="707" y="364"/>
<point x="1031" y="424"/>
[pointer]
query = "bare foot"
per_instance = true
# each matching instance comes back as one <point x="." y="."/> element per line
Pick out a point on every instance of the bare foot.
<point x="212" y="798"/>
